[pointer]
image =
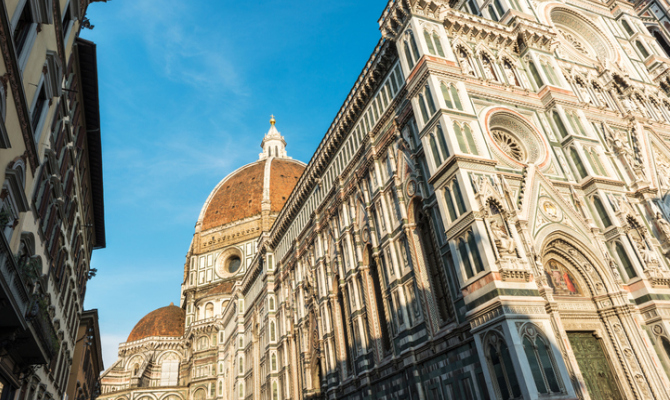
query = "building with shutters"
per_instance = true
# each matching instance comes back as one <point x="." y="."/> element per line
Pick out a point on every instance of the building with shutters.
<point x="486" y="218"/>
<point x="51" y="201"/>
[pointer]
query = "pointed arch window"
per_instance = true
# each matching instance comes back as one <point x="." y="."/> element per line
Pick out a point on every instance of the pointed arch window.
<point x="451" y="97"/>
<point x="499" y="7"/>
<point x="433" y="43"/>
<point x="502" y="369"/>
<point x="271" y="302"/>
<point x="411" y="50"/>
<point x="627" y="27"/>
<point x="536" y="75"/>
<point x="602" y="212"/>
<point x="241" y="365"/>
<point x="273" y="332"/>
<point x="577" y="161"/>
<point x="549" y="73"/>
<point x="625" y="261"/>
<point x="454" y="200"/>
<point x="562" y="130"/>
<point x="469" y="253"/>
<point x="493" y="14"/>
<point x="273" y="362"/>
<point x="541" y="363"/>
<point x="438" y="278"/>
<point x="660" y="38"/>
<point x="594" y="160"/>
<point x="275" y="391"/>
<point x="466" y="141"/>
<point x="643" y="51"/>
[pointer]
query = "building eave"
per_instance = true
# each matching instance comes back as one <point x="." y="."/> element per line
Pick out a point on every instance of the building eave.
<point x="88" y="66"/>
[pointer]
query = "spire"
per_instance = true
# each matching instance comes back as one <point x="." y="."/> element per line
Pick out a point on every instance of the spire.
<point x="273" y="143"/>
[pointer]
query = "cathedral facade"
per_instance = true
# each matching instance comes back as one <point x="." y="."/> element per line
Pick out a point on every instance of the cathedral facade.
<point x="486" y="218"/>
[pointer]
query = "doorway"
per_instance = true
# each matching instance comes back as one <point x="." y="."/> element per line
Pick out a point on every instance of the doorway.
<point x="594" y="366"/>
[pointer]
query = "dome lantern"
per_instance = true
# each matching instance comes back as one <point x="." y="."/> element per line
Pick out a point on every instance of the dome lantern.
<point x="273" y="143"/>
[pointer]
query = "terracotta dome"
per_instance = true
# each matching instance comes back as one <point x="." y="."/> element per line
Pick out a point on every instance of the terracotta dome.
<point x="241" y="194"/>
<point x="164" y="322"/>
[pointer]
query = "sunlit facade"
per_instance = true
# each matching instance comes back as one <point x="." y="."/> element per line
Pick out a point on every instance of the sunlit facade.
<point x="486" y="218"/>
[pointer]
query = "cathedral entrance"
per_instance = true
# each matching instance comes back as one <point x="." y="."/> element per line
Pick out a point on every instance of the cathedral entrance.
<point x="595" y="366"/>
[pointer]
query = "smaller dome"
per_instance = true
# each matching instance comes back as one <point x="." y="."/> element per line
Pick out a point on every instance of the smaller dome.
<point x="166" y="322"/>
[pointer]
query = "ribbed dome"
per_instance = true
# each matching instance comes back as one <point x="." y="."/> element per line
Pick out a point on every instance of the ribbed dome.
<point x="241" y="194"/>
<point x="164" y="322"/>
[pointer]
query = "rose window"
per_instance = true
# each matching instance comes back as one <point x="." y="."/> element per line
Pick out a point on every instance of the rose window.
<point x="510" y="145"/>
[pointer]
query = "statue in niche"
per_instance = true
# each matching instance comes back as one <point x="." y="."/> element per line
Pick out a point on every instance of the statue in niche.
<point x="489" y="72"/>
<point x="627" y="104"/>
<point x="614" y="267"/>
<point x="663" y="226"/>
<point x="600" y="96"/>
<point x="583" y="92"/>
<point x="464" y="60"/>
<point x="504" y="242"/>
<point x="509" y="73"/>
<point x="662" y="170"/>
<point x="648" y="255"/>
<point x="561" y="280"/>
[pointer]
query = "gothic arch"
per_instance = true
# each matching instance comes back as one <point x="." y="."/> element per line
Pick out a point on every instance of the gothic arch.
<point x="581" y="261"/>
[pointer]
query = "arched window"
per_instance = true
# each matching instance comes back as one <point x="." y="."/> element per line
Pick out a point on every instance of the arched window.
<point x="469" y="253"/>
<point x="271" y="306"/>
<point x="429" y="42"/>
<point x="643" y="51"/>
<point x="438" y="44"/>
<point x="199" y="394"/>
<point x="240" y="390"/>
<point x="450" y="205"/>
<point x="578" y="163"/>
<point x="466" y="141"/>
<point x="602" y="213"/>
<point x="220" y="388"/>
<point x="273" y="333"/>
<point x="493" y="14"/>
<point x="442" y="142"/>
<point x="627" y="27"/>
<point x="541" y="362"/>
<point x="594" y="160"/>
<point x="661" y="41"/>
<point x="499" y="7"/>
<point x="535" y="74"/>
<point x="435" y="151"/>
<point x="666" y="346"/>
<point x="275" y="391"/>
<point x="549" y="73"/>
<point x="273" y="362"/>
<point x="424" y="110"/>
<point x="438" y="278"/>
<point x="209" y="310"/>
<point x="502" y="369"/>
<point x="203" y="343"/>
<point x="411" y="50"/>
<point x="170" y="370"/>
<point x="451" y="97"/>
<point x="241" y="365"/>
<point x="625" y="261"/>
<point x="376" y="278"/>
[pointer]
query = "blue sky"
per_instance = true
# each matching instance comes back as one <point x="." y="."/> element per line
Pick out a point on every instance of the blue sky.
<point x="186" y="92"/>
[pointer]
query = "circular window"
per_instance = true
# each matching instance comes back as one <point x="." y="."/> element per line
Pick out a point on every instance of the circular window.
<point x="233" y="264"/>
<point x="509" y="144"/>
<point x="581" y="37"/>
<point x="514" y="139"/>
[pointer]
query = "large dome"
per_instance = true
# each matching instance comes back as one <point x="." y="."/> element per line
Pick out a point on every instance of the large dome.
<point x="264" y="185"/>
<point x="164" y="322"/>
<point x="242" y="193"/>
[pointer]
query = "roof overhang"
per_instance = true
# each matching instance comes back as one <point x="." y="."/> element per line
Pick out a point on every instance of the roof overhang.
<point x="88" y="67"/>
